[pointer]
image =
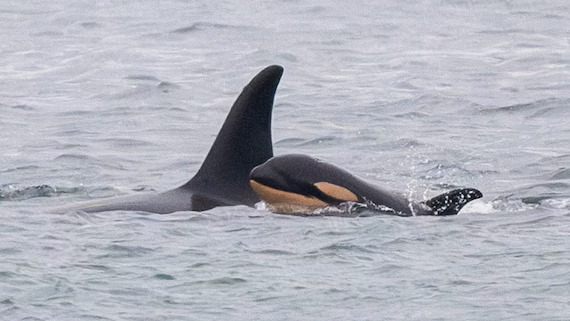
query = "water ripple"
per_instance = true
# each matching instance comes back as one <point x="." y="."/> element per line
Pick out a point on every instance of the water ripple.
<point x="198" y="26"/>
<point x="411" y="95"/>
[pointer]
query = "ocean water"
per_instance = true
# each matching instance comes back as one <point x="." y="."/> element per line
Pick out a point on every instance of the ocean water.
<point x="105" y="98"/>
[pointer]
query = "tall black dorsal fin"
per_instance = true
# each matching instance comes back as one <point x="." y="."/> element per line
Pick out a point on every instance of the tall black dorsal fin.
<point x="452" y="202"/>
<point x="243" y="142"/>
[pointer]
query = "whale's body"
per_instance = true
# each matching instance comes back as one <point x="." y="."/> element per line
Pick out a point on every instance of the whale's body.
<point x="296" y="182"/>
<point x="244" y="141"/>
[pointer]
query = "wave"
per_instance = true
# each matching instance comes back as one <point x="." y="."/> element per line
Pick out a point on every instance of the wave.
<point x="20" y="193"/>
<point x="199" y="26"/>
<point x="554" y="107"/>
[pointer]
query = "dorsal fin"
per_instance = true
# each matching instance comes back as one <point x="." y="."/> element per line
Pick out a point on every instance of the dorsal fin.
<point x="244" y="141"/>
<point x="452" y="202"/>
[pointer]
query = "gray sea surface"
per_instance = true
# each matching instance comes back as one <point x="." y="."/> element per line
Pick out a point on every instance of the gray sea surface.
<point x="106" y="98"/>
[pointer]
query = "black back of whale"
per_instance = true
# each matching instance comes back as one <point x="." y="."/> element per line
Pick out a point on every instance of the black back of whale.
<point x="298" y="174"/>
<point x="243" y="142"/>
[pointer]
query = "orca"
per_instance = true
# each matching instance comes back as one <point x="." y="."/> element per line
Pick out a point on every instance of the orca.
<point x="300" y="184"/>
<point x="244" y="141"/>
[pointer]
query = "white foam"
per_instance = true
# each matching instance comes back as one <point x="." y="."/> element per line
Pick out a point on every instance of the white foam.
<point x="261" y="206"/>
<point x="557" y="203"/>
<point x="478" y="206"/>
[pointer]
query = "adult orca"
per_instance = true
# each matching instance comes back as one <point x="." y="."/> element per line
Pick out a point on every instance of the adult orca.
<point x="300" y="184"/>
<point x="244" y="141"/>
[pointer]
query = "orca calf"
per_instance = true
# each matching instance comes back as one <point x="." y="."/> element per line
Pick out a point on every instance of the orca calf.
<point x="300" y="184"/>
<point x="223" y="179"/>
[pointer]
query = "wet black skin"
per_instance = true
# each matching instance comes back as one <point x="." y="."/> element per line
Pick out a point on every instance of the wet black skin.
<point x="244" y="141"/>
<point x="298" y="173"/>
